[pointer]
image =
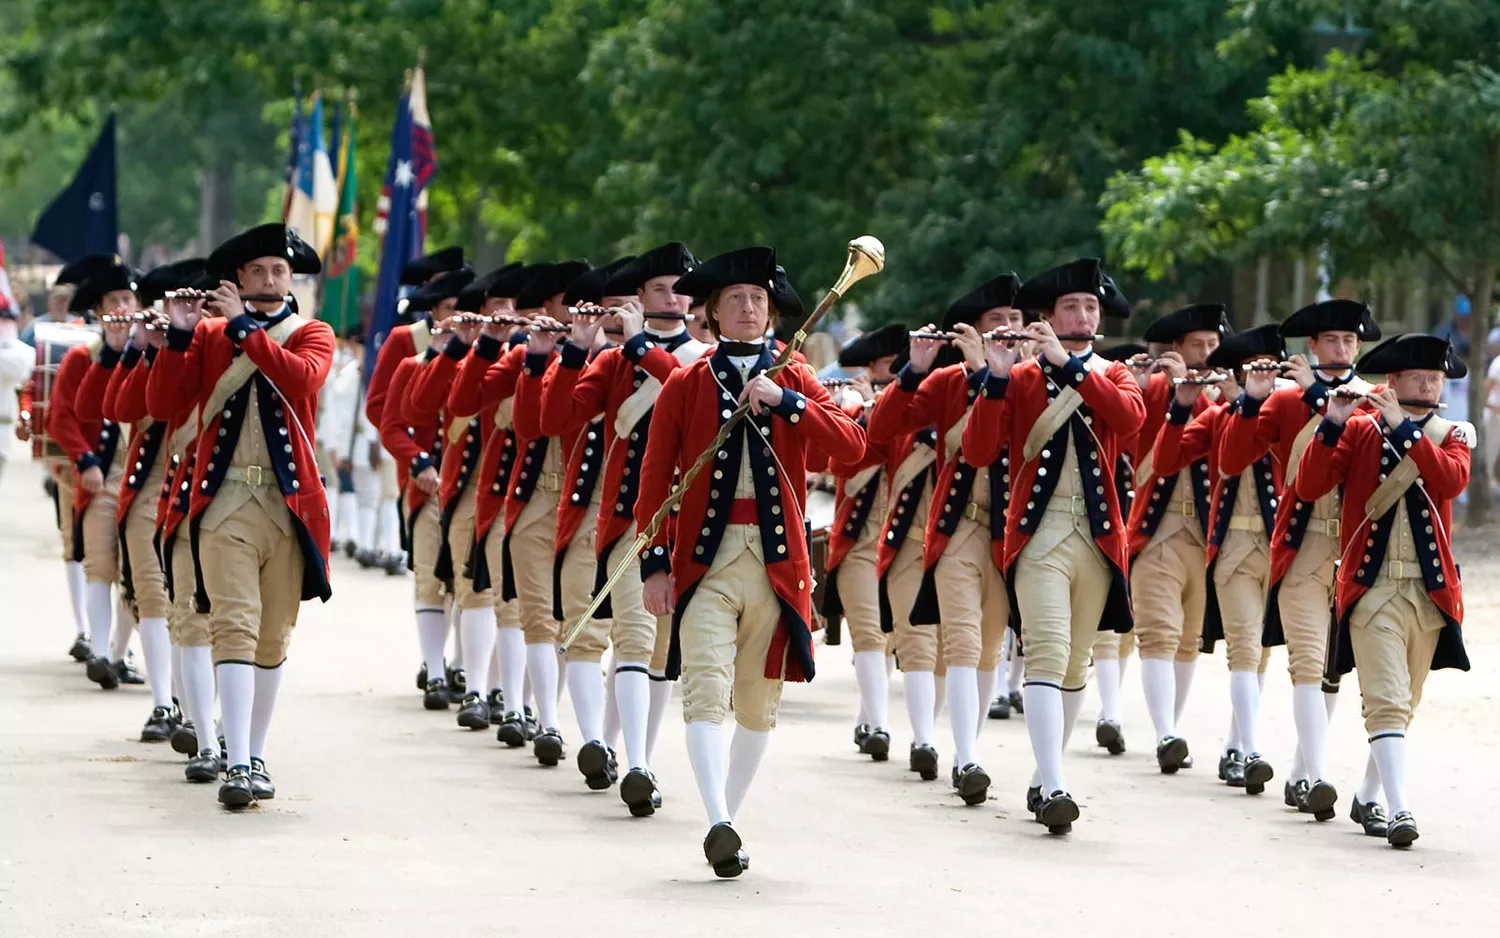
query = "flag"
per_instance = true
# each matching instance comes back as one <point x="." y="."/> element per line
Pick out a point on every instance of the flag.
<point x="314" y="194"/>
<point x="400" y="216"/>
<point x="7" y="299"/>
<point x="341" y="277"/>
<point x="294" y="154"/>
<point x="84" y="218"/>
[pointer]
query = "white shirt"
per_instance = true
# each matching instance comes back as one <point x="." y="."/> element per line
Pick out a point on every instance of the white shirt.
<point x="16" y="361"/>
<point x="1493" y="401"/>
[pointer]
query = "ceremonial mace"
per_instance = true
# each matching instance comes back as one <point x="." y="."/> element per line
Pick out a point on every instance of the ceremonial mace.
<point x="866" y="257"/>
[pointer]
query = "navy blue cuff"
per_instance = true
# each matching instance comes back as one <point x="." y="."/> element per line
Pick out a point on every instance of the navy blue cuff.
<point x="88" y="461"/>
<point x="793" y="405"/>
<point x="456" y="349"/>
<point x="423" y="461"/>
<point x="1179" y="413"/>
<point x="571" y="356"/>
<point x="1250" y="406"/>
<point x="131" y="357"/>
<point x="151" y="351"/>
<point x="995" y="387"/>
<point x="1405" y="435"/>
<point x="108" y="357"/>
<point x="240" y="327"/>
<point x="910" y="380"/>
<point x="536" y="364"/>
<point x="179" y="340"/>
<point x="1329" y="432"/>
<point x="655" y="560"/>
<point x="488" y="348"/>
<point x="1316" y="395"/>
<point x="1072" y="372"/>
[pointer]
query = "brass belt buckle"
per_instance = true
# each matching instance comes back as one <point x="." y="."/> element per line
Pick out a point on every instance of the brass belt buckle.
<point x="1397" y="570"/>
<point x="254" y="475"/>
<point x="1333" y="527"/>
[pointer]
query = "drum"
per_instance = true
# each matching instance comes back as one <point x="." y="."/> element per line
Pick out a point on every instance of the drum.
<point x="53" y="340"/>
<point x="821" y="510"/>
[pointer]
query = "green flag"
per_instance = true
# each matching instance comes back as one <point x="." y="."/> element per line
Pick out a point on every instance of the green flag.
<point x="341" y="279"/>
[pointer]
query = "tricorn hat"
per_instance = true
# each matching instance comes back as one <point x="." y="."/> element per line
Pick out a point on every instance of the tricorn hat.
<point x="1041" y="292"/>
<point x="672" y="259"/>
<point x="1331" y="316"/>
<point x="471" y="297"/>
<point x="891" y="339"/>
<point x="1196" y="317"/>
<point x="419" y="270"/>
<point x="1000" y="291"/>
<point x="114" y="277"/>
<point x="273" y="240"/>
<point x="1236" y="349"/>
<point x="1123" y="351"/>
<point x="84" y="268"/>
<point x="548" y="281"/>
<point x="446" y="286"/>
<point x="174" y="276"/>
<point x="1414" y="351"/>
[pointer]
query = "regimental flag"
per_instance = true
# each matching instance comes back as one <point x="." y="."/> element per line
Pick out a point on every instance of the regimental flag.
<point x="341" y="276"/>
<point x="294" y="152"/>
<point x="315" y="196"/>
<point x="401" y="215"/>
<point x="7" y="299"/>
<point x="84" y="218"/>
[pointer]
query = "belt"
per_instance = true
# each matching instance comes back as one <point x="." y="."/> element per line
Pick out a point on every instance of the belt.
<point x="979" y="514"/>
<point x="744" y="511"/>
<point x="250" y="475"/>
<point x="549" y="481"/>
<point x="1404" y="569"/>
<point x="1187" y="508"/>
<point x="1068" y="504"/>
<point x="1328" y="526"/>
<point x="1246" y="523"/>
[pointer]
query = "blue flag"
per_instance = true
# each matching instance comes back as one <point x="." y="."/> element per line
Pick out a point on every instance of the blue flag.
<point x="84" y="218"/>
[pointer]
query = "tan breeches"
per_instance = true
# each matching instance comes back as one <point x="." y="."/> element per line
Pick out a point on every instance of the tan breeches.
<point x="460" y="539"/>
<point x="1306" y="603"/>
<point x="531" y="552"/>
<point x="1394" y="635"/>
<point x="61" y="471"/>
<point x="859" y="590"/>
<point x="1242" y="606"/>
<point x="918" y="647"/>
<point x="1113" y="645"/>
<point x="725" y="634"/>
<point x="1167" y="592"/>
<point x="146" y="578"/>
<point x="252" y="573"/>
<point x="1061" y="595"/>
<point x="426" y="542"/>
<point x="633" y="629"/>
<point x="187" y="626"/>
<point x="971" y="594"/>
<point x="101" y="538"/>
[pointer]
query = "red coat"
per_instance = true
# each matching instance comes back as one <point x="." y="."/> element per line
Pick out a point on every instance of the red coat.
<point x="75" y="420"/>
<point x="184" y="375"/>
<point x="688" y="414"/>
<point x="1006" y="412"/>
<point x="125" y="404"/>
<point x="1357" y="456"/>
<point x="415" y="445"/>
<point x="1156" y="491"/>
<point x="398" y="346"/>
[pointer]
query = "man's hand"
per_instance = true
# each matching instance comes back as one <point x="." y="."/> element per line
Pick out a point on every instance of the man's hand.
<point x="632" y="318"/>
<point x="464" y="330"/>
<point x="1300" y="371"/>
<point x="427" y="480"/>
<point x="376" y="455"/>
<point x="116" y="334"/>
<point x="656" y="594"/>
<point x="586" y="325"/>
<point x="23" y="429"/>
<point x="1001" y="355"/>
<point x="1140" y="369"/>
<point x="924" y="351"/>
<point x="225" y="301"/>
<point x="345" y="465"/>
<point x="499" y="331"/>
<point x="1389" y="405"/>
<point x="1340" y="408"/>
<point x="762" y="392"/>
<point x="183" y="314"/>
<point x="1046" y="340"/>
<point x="971" y="344"/>
<point x="861" y="385"/>
<point x="542" y="343"/>
<point x="92" y="479"/>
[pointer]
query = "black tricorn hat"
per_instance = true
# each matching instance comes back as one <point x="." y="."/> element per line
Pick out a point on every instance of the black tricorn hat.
<point x="1114" y="303"/>
<point x="892" y="339"/>
<point x="755" y="265"/>
<point x="548" y="281"/>
<point x="273" y="240"/>
<point x="1000" y="291"/>
<point x="1124" y="350"/>
<point x="511" y="280"/>
<point x="91" y="291"/>
<point x="594" y="286"/>
<point x="783" y="296"/>
<point x="1236" y="349"/>
<point x="1196" y="317"/>
<point x="1331" y="316"/>
<point x="672" y="259"/>
<point x="446" y="286"/>
<point x="1041" y="292"/>
<point x="1413" y="351"/>
<point x="174" y="276"/>
<point x="84" y="268"/>
<point x="471" y="297"/>
<point x="419" y="270"/>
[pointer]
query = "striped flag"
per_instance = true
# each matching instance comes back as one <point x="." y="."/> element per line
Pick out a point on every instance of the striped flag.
<point x="314" y="195"/>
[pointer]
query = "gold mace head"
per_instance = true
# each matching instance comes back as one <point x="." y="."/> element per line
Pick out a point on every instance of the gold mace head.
<point x="866" y="257"/>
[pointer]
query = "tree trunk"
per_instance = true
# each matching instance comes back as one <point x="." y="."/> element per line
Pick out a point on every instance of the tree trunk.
<point x="1480" y="482"/>
<point x="216" y="204"/>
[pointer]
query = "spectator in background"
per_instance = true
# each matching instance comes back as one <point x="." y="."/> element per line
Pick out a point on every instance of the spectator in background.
<point x="1492" y="418"/>
<point x="820" y="350"/>
<point x="1456" y="331"/>
<point x="16" y="360"/>
<point x="57" y="311"/>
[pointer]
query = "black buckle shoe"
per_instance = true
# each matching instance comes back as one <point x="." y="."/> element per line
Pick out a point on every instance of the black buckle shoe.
<point x="1034" y="802"/>
<point x="1108" y="735"/>
<point x="972" y="783"/>
<point x="367" y="559"/>
<point x="127" y="672"/>
<point x="1232" y="769"/>
<point x="533" y="727"/>
<point x="203" y="767"/>
<point x="548" y="747"/>
<point x="1294" y="793"/>
<point x="877" y="745"/>
<point x="81" y="652"/>
<point x="597" y="763"/>
<point x="1017" y="702"/>
<point x="1402" y="830"/>
<point x="1171" y="754"/>
<point x="724" y="851"/>
<point x="640" y="793"/>
<point x="103" y="673"/>
<point x="1000" y="707"/>
<point x="861" y="733"/>
<point x="1257" y="772"/>
<point x="260" y="781"/>
<point x="1371" y="816"/>
<point x="185" y="739"/>
<point x="923" y="760"/>
<point x="1058" y="812"/>
<point x="236" y="792"/>
<point x="158" y="725"/>
<point x="394" y="565"/>
<point x="458" y="684"/>
<point x="1318" y="800"/>
<point x="475" y="713"/>
<point x="496" y="704"/>
<point x="512" y="731"/>
<point x="435" y="695"/>
<point x="422" y="678"/>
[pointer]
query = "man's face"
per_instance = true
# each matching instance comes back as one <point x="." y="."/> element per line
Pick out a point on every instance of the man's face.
<point x="1335" y="347"/>
<point x="444" y="309"/>
<point x="697" y="326"/>
<point x="57" y="302"/>
<point x="498" y="306"/>
<point x="1417" y="384"/>
<point x="271" y="276"/>
<point x="118" y="300"/>
<point x="556" y="308"/>
<point x="743" y="312"/>
<point x="657" y="297"/>
<point x="1196" y="346"/>
<point x="880" y="368"/>
<point x="1075" y="314"/>
<point x="1000" y="317"/>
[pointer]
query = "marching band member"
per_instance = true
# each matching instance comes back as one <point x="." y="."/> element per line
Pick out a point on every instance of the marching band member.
<point x="1304" y="545"/>
<point x="1399" y="604"/>
<point x="962" y="591"/>
<point x="1067" y="415"/>
<point x="338" y="406"/>
<point x="737" y="582"/>
<point x="623" y="383"/>
<point x="258" y="513"/>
